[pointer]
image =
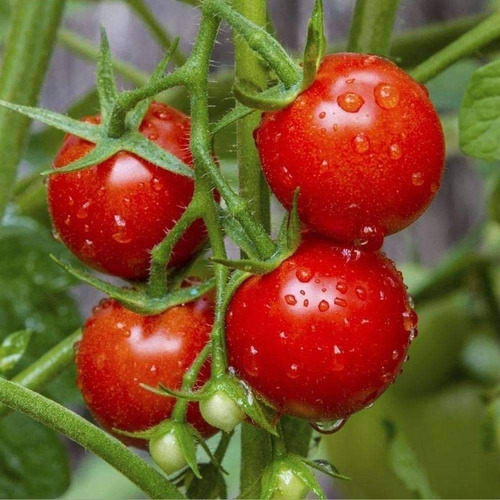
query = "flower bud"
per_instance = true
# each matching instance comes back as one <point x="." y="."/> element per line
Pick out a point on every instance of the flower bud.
<point x="221" y="411"/>
<point x="167" y="453"/>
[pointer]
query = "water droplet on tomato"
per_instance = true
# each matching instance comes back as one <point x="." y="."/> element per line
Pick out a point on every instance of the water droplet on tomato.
<point x="328" y="427"/>
<point x="322" y="115"/>
<point x="83" y="212"/>
<point x="340" y="302"/>
<point x="417" y="178"/>
<point x="290" y="300"/>
<point x="434" y="187"/>
<point x="88" y="249"/>
<point x="395" y="151"/>
<point x="156" y="184"/>
<point x="67" y="221"/>
<point x="410" y="320"/>
<point x="306" y="303"/>
<point x="361" y="143"/>
<point x="341" y="287"/>
<point x="153" y="137"/>
<point x="251" y="364"/>
<point x="395" y="354"/>
<point x="304" y="275"/>
<point x="386" y="95"/>
<point x="350" y="80"/>
<point x="361" y="293"/>
<point x="71" y="201"/>
<point x="323" y="306"/>
<point x="293" y="370"/>
<point x="350" y="102"/>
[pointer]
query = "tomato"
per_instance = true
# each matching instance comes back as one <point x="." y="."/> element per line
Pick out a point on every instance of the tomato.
<point x="120" y="350"/>
<point x="112" y="214"/>
<point x="324" y="334"/>
<point x="365" y="146"/>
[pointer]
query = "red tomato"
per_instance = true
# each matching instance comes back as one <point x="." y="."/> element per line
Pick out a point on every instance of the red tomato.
<point x="120" y="350"/>
<point x="364" y="144"/>
<point x="111" y="215"/>
<point x="324" y="334"/>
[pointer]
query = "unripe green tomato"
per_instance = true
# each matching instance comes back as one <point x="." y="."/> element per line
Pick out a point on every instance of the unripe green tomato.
<point x="445" y="432"/>
<point x="443" y="326"/>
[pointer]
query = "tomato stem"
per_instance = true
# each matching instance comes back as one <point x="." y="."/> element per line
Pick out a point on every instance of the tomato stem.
<point x="47" y="367"/>
<point x="372" y="26"/>
<point x="479" y="36"/>
<point x="89" y="436"/>
<point x="32" y="33"/>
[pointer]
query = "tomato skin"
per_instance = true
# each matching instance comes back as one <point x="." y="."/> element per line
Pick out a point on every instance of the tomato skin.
<point x="364" y="144"/>
<point x="111" y="215"/>
<point x="120" y="350"/>
<point x="332" y="332"/>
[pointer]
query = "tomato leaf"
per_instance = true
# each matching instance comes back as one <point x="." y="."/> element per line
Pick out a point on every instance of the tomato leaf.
<point x="405" y="464"/>
<point x="479" y="116"/>
<point x="315" y="45"/>
<point x="33" y="461"/>
<point x="12" y="349"/>
<point x="211" y="484"/>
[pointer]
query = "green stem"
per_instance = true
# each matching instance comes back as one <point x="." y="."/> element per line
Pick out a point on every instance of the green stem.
<point x="372" y="26"/>
<point x="156" y="29"/>
<point x="476" y="38"/>
<point x="89" y="436"/>
<point x="87" y="50"/>
<point x="188" y="381"/>
<point x="160" y="255"/>
<point x="279" y="447"/>
<point x="253" y="187"/>
<point x="47" y="367"/>
<point x="32" y="32"/>
<point x="488" y="292"/>
<point x="259" y="40"/>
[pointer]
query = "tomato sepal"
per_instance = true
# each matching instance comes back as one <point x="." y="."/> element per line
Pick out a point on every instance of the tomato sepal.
<point x="137" y="299"/>
<point x="315" y="45"/>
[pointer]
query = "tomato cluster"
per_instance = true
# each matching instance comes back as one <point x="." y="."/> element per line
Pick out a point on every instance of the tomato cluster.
<point x="326" y="332"/>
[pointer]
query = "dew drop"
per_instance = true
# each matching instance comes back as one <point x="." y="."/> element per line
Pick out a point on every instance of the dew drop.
<point x="417" y="178"/>
<point x="361" y="293"/>
<point x="361" y="143"/>
<point x="251" y="365"/>
<point x="153" y="137"/>
<point x="395" y="151"/>
<point x="350" y="102"/>
<point x="350" y="80"/>
<point x="323" y="167"/>
<point x="83" y="212"/>
<point x="290" y="300"/>
<point x="71" y="201"/>
<point x="341" y="287"/>
<point x="88" y="249"/>
<point x="304" y="275"/>
<point x="156" y="184"/>
<point x="323" y="306"/>
<point x="293" y="371"/>
<point x="67" y="221"/>
<point x="328" y="427"/>
<point x="340" y="302"/>
<point x="306" y="303"/>
<point x="386" y="95"/>
<point x="322" y="115"/>
<point x="410" y="320"/>
<point x="434" y="187"/>
<point x="302" y="292"/>
<point x="371" y="239"/>
<point x="153" y="369"/>
<point x="395" y="354"/>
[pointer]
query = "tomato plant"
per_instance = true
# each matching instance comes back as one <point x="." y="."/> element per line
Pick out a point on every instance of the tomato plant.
<point x="311" y="324"/>
<point x="335" y="327"/>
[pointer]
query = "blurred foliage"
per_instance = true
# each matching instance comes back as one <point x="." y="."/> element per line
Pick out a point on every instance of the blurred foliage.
<point x="33" y="461"/>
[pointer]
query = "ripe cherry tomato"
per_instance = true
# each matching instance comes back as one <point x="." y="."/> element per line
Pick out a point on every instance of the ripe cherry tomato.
<point x="120" y="350"/>
<point x="324" y="334"/>
<point x="111" y="215"/>
<point x="365" y="146"/>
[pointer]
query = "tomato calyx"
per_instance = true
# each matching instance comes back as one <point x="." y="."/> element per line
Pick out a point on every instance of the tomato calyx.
<point x="287" y="242"/>
<point x="172" y="445"/>
<point x="224" y="402"/>
<point x="137" y="299"/>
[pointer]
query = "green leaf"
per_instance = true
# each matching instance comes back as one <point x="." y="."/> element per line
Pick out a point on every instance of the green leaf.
<point x="315" y="45"/>
<point x="211" y="484"/>
<point x="405" y="464"/>
<point x="33" y="295"/>
<point x="65" y="123"/>
<point x="188" y="446"/>
<point x="325" y="467"/>
<point x="12" y="349"/>
<point x="148" y="150"/>
<point x="33" y="461"/>
<point x="479" y="117"/>
<point x="106" y="85"/>
<point x="305" y="475"/>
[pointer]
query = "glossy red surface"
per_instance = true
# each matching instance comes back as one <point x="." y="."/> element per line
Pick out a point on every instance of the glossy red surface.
<point x="120" y="350"/>
<point x="111" y="215"/>
<point x="364" y="144"/>
<point x="323" y="335"/>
